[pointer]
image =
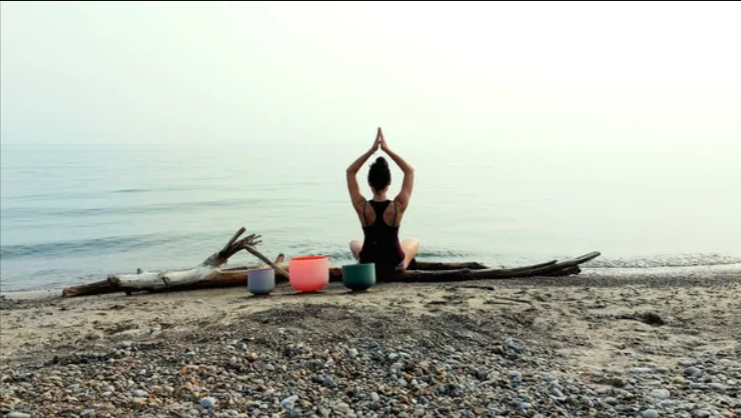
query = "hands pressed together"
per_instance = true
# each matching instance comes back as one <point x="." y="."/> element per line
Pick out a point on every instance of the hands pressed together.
<point x="379" y="142"/>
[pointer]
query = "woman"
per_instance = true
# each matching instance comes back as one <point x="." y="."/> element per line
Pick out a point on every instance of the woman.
<point x="381" y="217"/>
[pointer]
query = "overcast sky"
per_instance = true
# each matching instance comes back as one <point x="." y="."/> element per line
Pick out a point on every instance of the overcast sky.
<point x="203" y="72"/>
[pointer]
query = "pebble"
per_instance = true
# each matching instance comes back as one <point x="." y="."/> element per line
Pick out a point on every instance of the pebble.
<point x="660" y="394"/>
<point x="139" y="393"/>
<point x="692" y="371"/>
<point x="717" y="387"/>
<point x="650" y="413"/>
<point x="341" y="408"/>
<point x="208" y="402"/>
<point x="289" y="403"/>
<point x="16" y="414"/>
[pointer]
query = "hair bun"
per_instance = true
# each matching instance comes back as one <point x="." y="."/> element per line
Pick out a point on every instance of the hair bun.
<point x="379" y="175"/>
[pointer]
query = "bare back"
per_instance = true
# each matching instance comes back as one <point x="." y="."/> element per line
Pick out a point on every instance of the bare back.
<point x="392" y="216"/>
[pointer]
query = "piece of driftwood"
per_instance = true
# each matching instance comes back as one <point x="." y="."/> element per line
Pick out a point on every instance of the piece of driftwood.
<point x="210" y="275"/>
<point x="143" y="280"/>
<point x="544" y="269"/>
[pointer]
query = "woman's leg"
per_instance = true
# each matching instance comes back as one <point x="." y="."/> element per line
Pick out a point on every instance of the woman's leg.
<point x="356" y="246"/>
<point x="411" y="248"/>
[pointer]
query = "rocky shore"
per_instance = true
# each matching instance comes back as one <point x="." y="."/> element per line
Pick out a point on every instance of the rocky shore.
<point x="590" y="346"/>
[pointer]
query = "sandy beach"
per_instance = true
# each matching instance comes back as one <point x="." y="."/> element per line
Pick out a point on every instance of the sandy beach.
<point x="545" y="192"/>
<point x="658" y="344"/>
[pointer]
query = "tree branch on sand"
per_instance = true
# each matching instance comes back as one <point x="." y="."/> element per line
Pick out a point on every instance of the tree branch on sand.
<point x="209" y="273"/>
<point x="143" y="280"/>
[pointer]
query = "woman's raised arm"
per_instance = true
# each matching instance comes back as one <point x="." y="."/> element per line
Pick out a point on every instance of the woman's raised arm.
<point x="352" y="171"/>
<point x="407" y="185"/>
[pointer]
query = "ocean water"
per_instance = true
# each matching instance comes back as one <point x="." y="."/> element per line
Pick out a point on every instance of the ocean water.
<point x="75" y="213"/>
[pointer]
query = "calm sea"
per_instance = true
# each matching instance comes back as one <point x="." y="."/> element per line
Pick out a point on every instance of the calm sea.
<point x="76" y="213"/>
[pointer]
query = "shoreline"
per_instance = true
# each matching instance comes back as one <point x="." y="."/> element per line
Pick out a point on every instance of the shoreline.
<point x="709" y="271"/>
<point x="613" y="345"/>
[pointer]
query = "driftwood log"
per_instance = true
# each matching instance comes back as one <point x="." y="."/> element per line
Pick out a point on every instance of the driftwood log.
<point x="143" y="280"/>
<point x="210" y="275"/>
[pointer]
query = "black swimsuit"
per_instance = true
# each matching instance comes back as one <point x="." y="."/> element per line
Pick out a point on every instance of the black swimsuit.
<point x="381" y="245"/>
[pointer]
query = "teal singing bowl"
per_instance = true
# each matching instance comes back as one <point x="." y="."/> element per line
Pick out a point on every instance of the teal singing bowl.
<point x="358" y="277"/>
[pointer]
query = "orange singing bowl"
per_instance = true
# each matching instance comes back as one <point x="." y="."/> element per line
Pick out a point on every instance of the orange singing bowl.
<point x="308" y="274"/>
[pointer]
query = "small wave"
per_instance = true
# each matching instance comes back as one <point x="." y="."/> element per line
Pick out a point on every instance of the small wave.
<point x="48" y="280"/>
<point x="105" y="245"/>
<point x="668" y="261"/>
<point x="59" y="249"/>
<point x="681" y="260"/>
<point x="141" y="209"/>
<point x="341" y="252"/>
<point x="157" y="189"/>
<point x="444" y="254"/>
<point x="75" y="194"/>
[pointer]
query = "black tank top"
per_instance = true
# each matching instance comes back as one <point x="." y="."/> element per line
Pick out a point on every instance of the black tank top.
<point x="381" y="244"/>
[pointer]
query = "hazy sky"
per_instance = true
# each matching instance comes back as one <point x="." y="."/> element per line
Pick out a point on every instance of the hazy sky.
<point x="565" y="74"/>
